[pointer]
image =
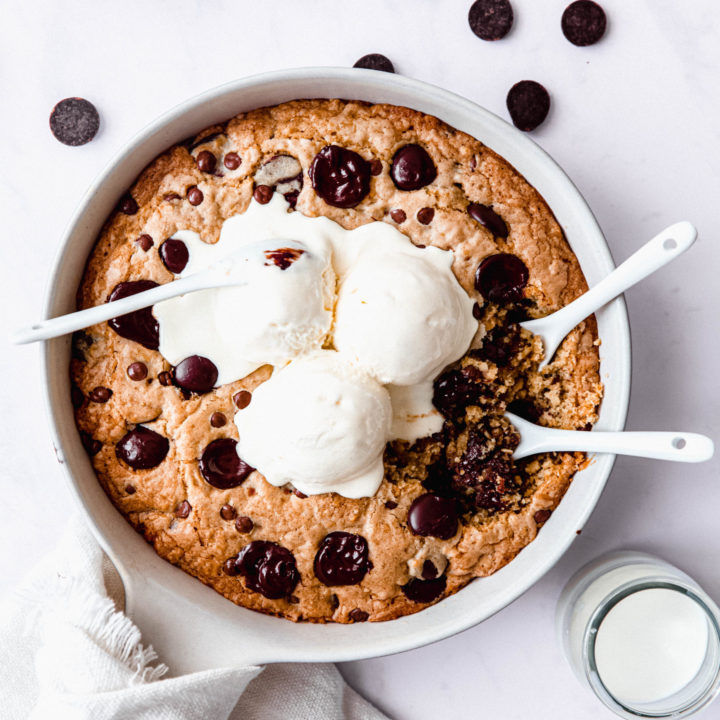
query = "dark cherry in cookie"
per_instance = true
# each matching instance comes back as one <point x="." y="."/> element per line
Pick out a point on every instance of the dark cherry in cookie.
<point x="501" y="278"/>
<point x="141" y="325"/>
<point x="174" y="254"/>
<point x="221" y="466"/>
<point x="342" y="559"/>
<point x="432" y="515"/>
<point x="412" y="168"/>
<point x="453" y="391"/>
<point x="424" y="591"/>
<point x="142" y="448"/>
<point x="340" y="176"/>
<point x="196" y="374"/>
<point x="268" y="568"/>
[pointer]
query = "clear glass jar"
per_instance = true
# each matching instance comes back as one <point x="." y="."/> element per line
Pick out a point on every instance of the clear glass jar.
<point x="595" y="590"/>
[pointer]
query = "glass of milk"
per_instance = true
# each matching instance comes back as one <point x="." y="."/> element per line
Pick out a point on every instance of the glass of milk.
<point x="643" y="635"/>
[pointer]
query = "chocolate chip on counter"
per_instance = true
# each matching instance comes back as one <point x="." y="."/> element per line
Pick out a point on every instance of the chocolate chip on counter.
<point x="165" y="378"/>
<point x="583" y="22"/>
<point x="263" y="194"/>
<point x="542" y="516"/>
<point x="242" y="399"/>
<point x="100" y="394"/>
<point x="398" y="216"/>
<point x="183" y="509"/>
<point x="375" y="166"/>
<point x="74" y="121"/>
<point x="195" y="195"/>
<point x="128" y="205"/>
<point x="196" y="374"/>
<point x="232" y="161"/>
<point x="488" y="218"/>
<point x="342" y="559"/>
<point x="130" y="489"/>
<point x="244" y="524"/>
<point x="491" y="19"/>
<point x="412" y="168"/>
<point x="218" y="419"/>
<point x="334" y="601"/>
<point x="501" y="278"/>
<point x="528" y="103"/>
<point x="268" y="568"/>
<point x="206" y="161"/>
<point x="144" y="242"/>
<point x="174" y="254"/>
<point x="340" y="176"/>
<point x="137" y="371"/>
<point x="425" y="215"/>
<point x="228" y="512"/>
<point x="375" y="61"/>
<point x="358" y="615"/>
<point x="221" y="466"/>
<point x="139" y="326"/>
<point x="142" y="448"/>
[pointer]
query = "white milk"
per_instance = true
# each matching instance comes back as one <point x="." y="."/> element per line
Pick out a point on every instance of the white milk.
<point x="651" y="645"/>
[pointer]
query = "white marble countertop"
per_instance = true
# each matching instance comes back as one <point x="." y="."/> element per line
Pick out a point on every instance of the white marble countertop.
<point x="635" y="122"/>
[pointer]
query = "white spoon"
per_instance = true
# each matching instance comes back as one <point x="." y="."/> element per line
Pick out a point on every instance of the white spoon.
<point x="677" y="446"/>
<point x="659" y="251"/>
<point x="234" y="269"/>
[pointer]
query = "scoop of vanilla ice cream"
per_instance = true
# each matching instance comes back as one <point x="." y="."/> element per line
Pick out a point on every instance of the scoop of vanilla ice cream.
<point x="321" y="424"/>
<point x="278" y="315"/>
<point x="401" y="314"/>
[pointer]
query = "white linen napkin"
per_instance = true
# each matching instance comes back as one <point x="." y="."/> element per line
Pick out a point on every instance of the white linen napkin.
<point x="66" y="652"/>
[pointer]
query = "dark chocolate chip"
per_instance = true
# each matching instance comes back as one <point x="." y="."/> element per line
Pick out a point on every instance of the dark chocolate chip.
<point x="583" y="22"/>
<point x="142" y="448"/>
<point x="141" y="325"/>
<point x="145" y="242"/>
<point x="429" y="571"/>
<point x="431" y="515"/>
<point x="251" y="491"/>
<point x="491" y="19"/>
<point x="91" y="445"/>
<point x="293" y="599"/>
<point x="195" y="195"/>
<point x="74" y="121"/>
<point x="174" y="254"/>
<point x="268" y="568"/>
<point x="242" y="399"/>
<point x="425" y="215"/>
<point x="218" y="419"/>
<point x="488" y="218"/>
<point x="526" y="409"/>
<point x="196" y="374"/>
<point x="244" y="524"/>
<point x="375" y="61"/>
<point x="398" y="216"/>
<point x="100" y="394"/>
<point x="375" y="166"/>
<point x="221" y="466"/>
<point x="183" y="509"/>
<point x="137" y="371"/>
<point x="165" y="378"/>
<point x="542" y="516"/>
<point x="81" y="343"/>
<point x="424" y="591"/>
<point x="128" y="205"/>
<point x="230" y="567"/>
<point x="412" y="168"/>
<point x="232" y="161"/>
<point x="342" y="559"/>
<point x="528" y="103"/>
<point x="263" y="194"/>
<point x="76" y="396"/>
<point x="206" y="161"/>
<point x="390" y="504"/>
<point x="501" y="278"/>
<point x="130" y="489"/>
<point x="171" y="197"/>
<point x="340" y="176"/>
<point x="228" y="512"/>
<point x="358" y="615"/>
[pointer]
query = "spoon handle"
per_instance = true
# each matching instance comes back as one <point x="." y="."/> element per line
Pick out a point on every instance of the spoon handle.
<point x="65" y="324"/>
<point x="656" y="253"/>
<point x="677" y="446"/>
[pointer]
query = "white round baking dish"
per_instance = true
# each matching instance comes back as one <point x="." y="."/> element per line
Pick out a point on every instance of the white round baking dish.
<point x="190" y="625"/>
